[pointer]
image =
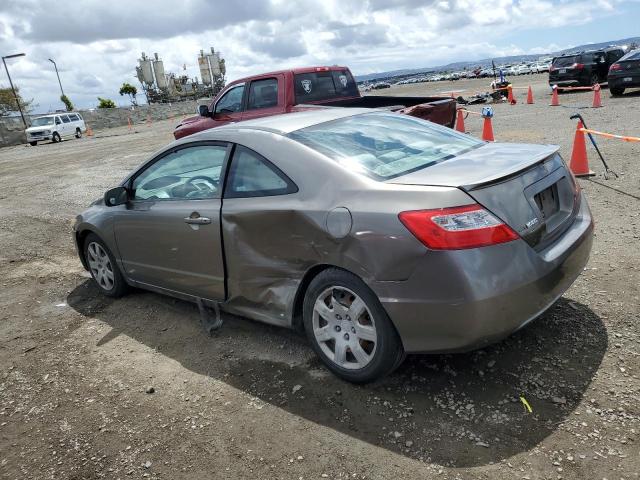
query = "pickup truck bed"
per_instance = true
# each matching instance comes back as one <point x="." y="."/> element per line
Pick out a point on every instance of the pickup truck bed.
<point x="293" y="90"/>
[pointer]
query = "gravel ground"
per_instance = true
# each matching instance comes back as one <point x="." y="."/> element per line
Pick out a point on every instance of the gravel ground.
<point x="96" y="388"/>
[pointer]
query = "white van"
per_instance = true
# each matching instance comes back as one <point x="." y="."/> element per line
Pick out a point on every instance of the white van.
<point x="55" y="127"/>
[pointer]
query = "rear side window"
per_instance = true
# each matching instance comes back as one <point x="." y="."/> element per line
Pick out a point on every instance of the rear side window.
<point x="316" y="86"/>
<point x="251" y="175"/>
<point x="614" y="55"/>
<point x="65" y="118"/>
<point x="263" y="94"/>
<point x="73" y="117"/>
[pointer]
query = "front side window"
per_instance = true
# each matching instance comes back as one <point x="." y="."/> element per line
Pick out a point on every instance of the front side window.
<point x="231" y="101"/>
<point x="251" y="175"/>
<point x="263" y="94"/>
<point x="189" y="173"/>
<point x="385" y="145"/>
<point x="58" y="121"/>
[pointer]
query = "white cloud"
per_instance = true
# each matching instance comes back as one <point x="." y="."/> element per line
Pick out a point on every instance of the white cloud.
<point x="96" y="43"/>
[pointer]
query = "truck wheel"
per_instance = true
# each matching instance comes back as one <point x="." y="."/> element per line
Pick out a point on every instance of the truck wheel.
<point x="33" y="144"/>
<point x="55" y="138"/>
<point x="78" y="133"/>
<point x="349" y="329"/>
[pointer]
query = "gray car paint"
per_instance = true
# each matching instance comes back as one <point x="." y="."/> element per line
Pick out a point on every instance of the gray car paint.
<point x="437" y="300"/>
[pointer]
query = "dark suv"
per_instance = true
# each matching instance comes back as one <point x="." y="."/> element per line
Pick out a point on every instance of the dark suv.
<point x="583" y="68"/>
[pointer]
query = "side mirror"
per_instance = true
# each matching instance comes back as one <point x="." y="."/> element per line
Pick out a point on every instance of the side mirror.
<point x="116" y="196"/>
<point x="203" y="111"/>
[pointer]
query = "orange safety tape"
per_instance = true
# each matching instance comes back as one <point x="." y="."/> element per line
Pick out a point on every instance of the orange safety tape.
<point x="611" y="135"/>
<point x="470" y="111"/>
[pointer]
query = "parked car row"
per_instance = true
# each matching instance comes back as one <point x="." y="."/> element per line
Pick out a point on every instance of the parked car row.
<point x="584" y="68"/>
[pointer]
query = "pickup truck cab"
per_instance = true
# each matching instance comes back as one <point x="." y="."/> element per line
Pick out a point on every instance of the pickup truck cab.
<point x="299" y="89"/>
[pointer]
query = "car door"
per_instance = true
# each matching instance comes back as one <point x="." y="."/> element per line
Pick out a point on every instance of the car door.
<point x="59" y="127"/>
<point x="266" y="97"/>
<point x="66" y="126"/>
<point x="230" y="106"/>
<point x="168" y="234"/>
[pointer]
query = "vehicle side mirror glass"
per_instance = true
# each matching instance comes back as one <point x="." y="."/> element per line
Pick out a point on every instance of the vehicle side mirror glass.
<point x="116" y="196"/>
<point x="203" y="111"/>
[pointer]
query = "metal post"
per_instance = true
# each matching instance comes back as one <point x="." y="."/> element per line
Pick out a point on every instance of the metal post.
<point x="59" y="82"/>
<point x="12" y="87"/>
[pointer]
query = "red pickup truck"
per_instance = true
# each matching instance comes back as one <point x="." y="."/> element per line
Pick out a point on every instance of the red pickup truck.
<point x="302" y="88"/>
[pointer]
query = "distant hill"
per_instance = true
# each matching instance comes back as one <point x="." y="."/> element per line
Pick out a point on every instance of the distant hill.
<point x="487" y="61"/>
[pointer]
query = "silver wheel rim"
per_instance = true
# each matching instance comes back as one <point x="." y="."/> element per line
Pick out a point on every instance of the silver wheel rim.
<point x="100" y="266"/>
<point x="344" y="328"/>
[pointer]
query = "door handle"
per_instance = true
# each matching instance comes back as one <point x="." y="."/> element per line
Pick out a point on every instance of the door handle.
<point x="197" y="220"/>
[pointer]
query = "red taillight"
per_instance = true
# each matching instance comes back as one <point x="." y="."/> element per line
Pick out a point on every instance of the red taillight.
<point x="614" y="67"/>
<point x="552" y="68"/>
<point x="578" y="66"/>
<point x="456" y="228"/>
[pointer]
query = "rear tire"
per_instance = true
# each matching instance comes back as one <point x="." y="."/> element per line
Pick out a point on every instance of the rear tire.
<point x="78" y="133"/>
<point x="359" y="349"/>
<point x="594" y="79"/>
<point x="616" y="92"/>
<point x="103" y="267"/>
<point x="33" y="144"/>
<point x="55" y="138"/>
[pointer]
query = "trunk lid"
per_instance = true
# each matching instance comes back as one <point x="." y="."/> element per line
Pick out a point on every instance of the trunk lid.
<point x="527" y="186"/>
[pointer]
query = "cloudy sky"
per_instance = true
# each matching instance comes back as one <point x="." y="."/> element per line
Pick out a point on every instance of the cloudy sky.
<point x="96" y="43"/>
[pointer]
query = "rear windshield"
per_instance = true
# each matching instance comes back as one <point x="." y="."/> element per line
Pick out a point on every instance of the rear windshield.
<point x="566" y="61"/>
<point x="316" y="86"/>
<point x="385" y="145"/>
<point x="633" y="55"/>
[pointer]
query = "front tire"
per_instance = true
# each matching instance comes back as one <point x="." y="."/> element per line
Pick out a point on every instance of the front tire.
<point x="33" y="144"/>
<point x="55" y="138"/>
<point x="349" y="329"/>
<point x="103" y="267"/>
<point x="78" y="133"/>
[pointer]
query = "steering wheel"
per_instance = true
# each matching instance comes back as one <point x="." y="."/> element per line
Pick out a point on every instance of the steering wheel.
<point x="203" y="184"/>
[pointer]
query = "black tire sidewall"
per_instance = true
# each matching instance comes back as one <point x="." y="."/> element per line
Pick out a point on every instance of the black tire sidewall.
<point x="78" y="133"/>
<point x="55" y="138"/>
<point x="33" y="144"/>
<point x="119" y="284"/>
<point x="389" y="352"/>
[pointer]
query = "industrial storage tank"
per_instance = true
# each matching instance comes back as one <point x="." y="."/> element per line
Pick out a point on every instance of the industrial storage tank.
<point x="146" y="69"/>
<point x="214" y="60"/>
<point x="158" y="67"/>
<point x="203" y="63"/>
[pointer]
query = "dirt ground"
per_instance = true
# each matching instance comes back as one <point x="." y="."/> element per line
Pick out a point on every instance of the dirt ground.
<point x="253" y="402"/>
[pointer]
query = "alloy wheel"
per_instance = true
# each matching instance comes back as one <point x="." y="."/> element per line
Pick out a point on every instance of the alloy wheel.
<point x="344" y="328"/>
<point x="100" y="265"/>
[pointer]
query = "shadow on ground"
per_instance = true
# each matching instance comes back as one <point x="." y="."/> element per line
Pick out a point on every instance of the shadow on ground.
<point x="455" y="410"/>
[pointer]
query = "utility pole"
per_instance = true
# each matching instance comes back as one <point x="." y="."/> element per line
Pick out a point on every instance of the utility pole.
<point x="59" y="82"/>
<point x="12" y="87"/>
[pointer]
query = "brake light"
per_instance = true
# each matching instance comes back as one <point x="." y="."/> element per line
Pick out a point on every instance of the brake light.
<point x="578" y="66"/>
<point x="322" y="69"/>
<point x="552" y="68"/>
<point x="457" y="228"/>
<point x="614" y="67"/>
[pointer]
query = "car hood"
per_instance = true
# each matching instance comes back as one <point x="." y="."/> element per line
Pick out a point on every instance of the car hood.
<point x="39" y="129"/>
<point x="485" y="164"/>
<point x="187" y="121"/>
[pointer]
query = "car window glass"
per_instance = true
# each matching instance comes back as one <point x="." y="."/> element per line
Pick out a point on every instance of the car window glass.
<point x="263" y="94"/>
<point x="565" y="61"/>
<point x="327" y="85"/>
<point x="58" y="121"/>
<point x="231" y="101"/>
<point x="632" y="55"/>
<point x="65" y="118"/>
<point x="251" y="175"/>
<point x="73" y="117"/>
<point x="188" y="173"/>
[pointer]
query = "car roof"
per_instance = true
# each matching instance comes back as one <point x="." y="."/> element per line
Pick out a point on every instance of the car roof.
<point x="290" y="122"/>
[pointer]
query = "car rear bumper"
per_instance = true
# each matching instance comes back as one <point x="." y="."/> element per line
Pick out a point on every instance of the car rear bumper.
<point x="619" y="81"/>
<point x="465" y="299"/>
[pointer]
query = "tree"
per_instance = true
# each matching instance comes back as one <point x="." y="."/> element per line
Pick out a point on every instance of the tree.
<point x="67" y="103"/>
<point x="8" y="103"/>
<point x="128" y="89"/>
<point x="106" y="103"/>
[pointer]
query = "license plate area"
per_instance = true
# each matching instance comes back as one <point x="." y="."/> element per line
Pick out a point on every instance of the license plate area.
<point x="563" y="70"/>
<point x="548" y="201"/>
<point x="627" y="79"/>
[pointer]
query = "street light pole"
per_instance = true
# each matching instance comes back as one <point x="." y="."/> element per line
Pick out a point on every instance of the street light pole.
<point x="12" y="87"/>
<point x="59" y="82"/>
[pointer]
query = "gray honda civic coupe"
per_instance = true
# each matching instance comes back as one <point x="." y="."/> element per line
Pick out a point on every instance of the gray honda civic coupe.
<point x="377" y="234"/>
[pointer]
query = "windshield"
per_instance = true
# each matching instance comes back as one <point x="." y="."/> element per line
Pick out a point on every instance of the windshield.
<point x="42" y="121"/>
<point x="632" y="55"/>
<point x="566" y="61"/>
<point x="316" y="86"/>
<point x="384" y="145"/>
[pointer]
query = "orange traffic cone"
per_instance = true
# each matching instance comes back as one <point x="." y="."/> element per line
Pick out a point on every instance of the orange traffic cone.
<point x="89" y="131"/>
<point x="555" y="101"/>
<point x="510" y="98"/>
<point x="487" y="130"/>
<point x="129" y="122"/>
<point x="597" y="101"/>
<point x="530" y="96"/>
<point x="460" y="122"/>
<point x="148" y="119"/>
<point x="579" y="162"/>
